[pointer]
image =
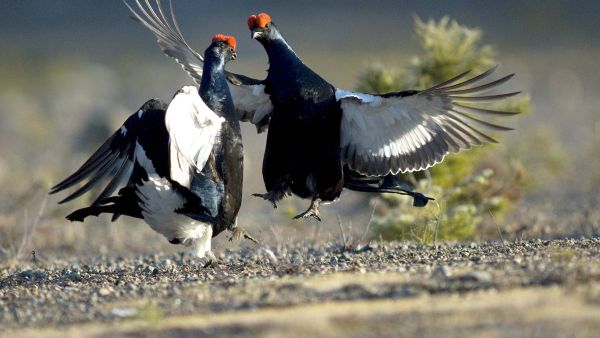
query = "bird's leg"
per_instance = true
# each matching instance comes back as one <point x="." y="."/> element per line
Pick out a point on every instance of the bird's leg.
<point x="276" y="192"/>
<point x="312" y="211"/>
<point x="200" y="247"/>
<point x="239" y="233"/>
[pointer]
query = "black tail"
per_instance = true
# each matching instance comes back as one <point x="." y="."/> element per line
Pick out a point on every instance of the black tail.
<point x="80" y="214"/>
<point x="124" y="204"/>
<point x="419" y="200"/>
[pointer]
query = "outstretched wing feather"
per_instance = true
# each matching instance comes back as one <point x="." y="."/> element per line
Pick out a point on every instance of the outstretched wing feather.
<point x="413" y="130"/>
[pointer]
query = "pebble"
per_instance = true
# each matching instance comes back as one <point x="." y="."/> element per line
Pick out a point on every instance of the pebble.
<point x="104" y="292"/>
<point x="476" y="276"/>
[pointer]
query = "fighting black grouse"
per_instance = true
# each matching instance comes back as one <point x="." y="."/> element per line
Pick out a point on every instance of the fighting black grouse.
<point x="322" y="139"/>
<point x="182" y="164"/>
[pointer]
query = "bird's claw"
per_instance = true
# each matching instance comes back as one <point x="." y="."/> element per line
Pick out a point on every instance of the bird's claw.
<point x="269" y="196"/>
<point x="211" y="261"/>
<point x="309" y="213"/>
<point x="210" y="264"/>
<point x="312" y="211"/>
<point x="239" y="233"/>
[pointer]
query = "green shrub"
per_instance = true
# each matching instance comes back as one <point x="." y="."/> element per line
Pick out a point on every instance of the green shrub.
<point x="468" y="186"/>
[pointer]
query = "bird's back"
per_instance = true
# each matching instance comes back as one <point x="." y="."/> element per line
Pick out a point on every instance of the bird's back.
<point x="294" y="86"/>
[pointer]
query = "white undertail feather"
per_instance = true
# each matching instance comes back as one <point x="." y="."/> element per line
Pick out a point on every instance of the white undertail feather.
<point x="193" y="128"/>
<point x="159" y="203"/>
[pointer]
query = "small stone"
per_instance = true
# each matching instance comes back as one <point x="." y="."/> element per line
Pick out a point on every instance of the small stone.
<point x="104" y="292"/>
<point x="124" y="312"/>
<point x="73" y="276"/>
<point x="476" y="276"/>
<point x="441" y="272"/>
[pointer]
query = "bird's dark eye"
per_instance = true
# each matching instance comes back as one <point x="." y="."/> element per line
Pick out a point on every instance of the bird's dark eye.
<point x="267" y="25"/>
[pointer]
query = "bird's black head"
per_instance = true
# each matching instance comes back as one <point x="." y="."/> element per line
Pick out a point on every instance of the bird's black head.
<point x="222" y="47"/>
<point x="261" y="27"/>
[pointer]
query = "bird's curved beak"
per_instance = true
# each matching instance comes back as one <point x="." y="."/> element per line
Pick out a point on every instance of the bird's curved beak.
<point x="233" y="55"/>
<point x="255" y="32"/>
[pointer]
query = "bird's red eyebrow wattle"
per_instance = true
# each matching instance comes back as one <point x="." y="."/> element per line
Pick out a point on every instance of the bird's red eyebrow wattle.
<point x="228" y="39"/>
<point x="263" y="19"/>
<point x="252" y="21"/>
<point x="260" y="20"/>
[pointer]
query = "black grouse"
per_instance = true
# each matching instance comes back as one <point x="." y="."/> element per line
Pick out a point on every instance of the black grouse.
<point x="322" y="139"/>
<point x="183" y="164"/>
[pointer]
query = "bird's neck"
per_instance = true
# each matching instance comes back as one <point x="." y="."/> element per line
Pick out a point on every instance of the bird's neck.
<point x="280" y="52"/>
<point x="214" y="90"/>
<point x="288" y="73"/>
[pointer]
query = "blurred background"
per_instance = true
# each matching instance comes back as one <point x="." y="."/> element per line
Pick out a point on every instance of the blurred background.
<point x="71" y="72"/>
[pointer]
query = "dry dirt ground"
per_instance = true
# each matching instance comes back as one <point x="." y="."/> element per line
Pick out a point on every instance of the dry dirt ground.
<point x="527" y="288"/>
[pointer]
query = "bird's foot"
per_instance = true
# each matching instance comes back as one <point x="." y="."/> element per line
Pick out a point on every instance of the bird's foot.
<point x="312" y="211"/>
<point x="239" y="233"/>
<point x="309" y="213"/>
<point x="211" y="260"/>
<point x="269" y="196"/>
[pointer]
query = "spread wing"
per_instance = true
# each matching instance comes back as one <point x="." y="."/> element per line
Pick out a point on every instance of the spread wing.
<point x="168" y="36"/>
<point x="251" y="101"/>
<point x="113" y="160"/>
<point x="413" y="130"/>
<point x="193" y="130"/>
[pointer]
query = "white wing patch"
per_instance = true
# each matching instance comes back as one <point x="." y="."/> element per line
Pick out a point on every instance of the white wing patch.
<point x="193" y="128"/>
<point x="142" y="159"/>
<point x="345" y="94"/>
<point x="251" y="103"/>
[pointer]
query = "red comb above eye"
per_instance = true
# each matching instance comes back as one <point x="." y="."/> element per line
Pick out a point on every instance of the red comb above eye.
<point x="260" y="20"/>
<point x="230" y="40"/>
<point x="252" y="21"/>
<point x="263" y="19"/>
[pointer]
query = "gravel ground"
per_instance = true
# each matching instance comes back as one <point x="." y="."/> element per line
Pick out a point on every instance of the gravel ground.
<point x="152" y="288"/>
